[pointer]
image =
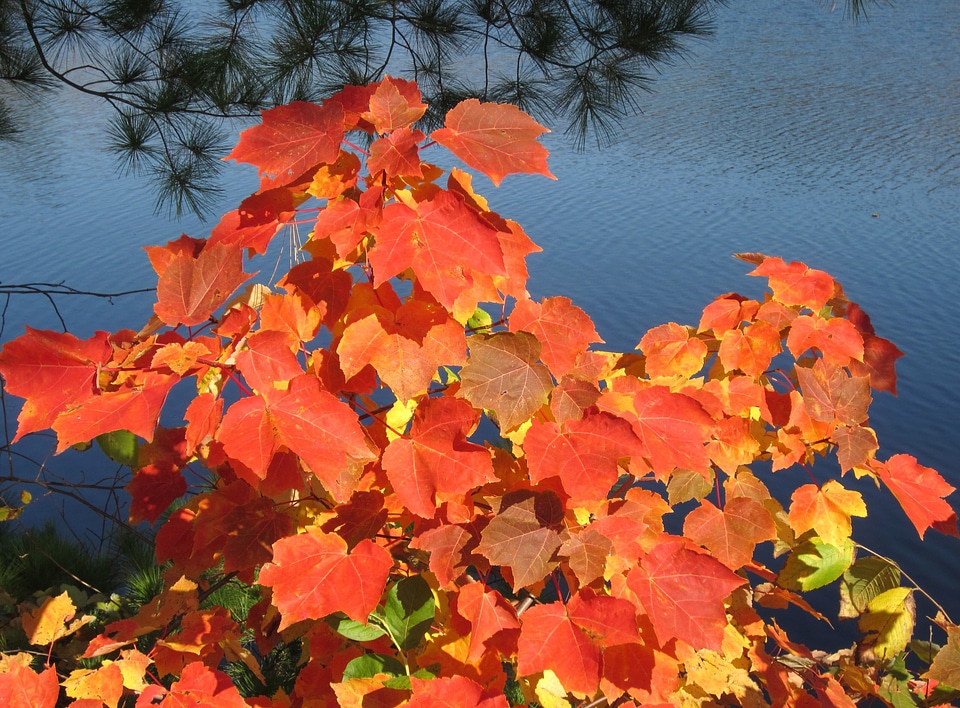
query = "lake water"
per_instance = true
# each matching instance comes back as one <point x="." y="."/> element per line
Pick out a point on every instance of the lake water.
<point x="792" y="132"/>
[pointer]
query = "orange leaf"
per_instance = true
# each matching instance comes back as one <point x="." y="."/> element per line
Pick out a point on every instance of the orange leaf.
<point x="796" y="284"/>
<point x="497" y="139"/>
<point x="291" y="141"/>
<point x="450" y="692"/>
<point x="682" y="592"/>
<point x="22" y="687"/>
<point x="671" y="351"/>
<point x="436" y="462"/>
<point x="192" y="287"/>
<point x="826" y="510"/>
<point x="920" y="491"/>
<point x="731" y="534"/>
<point x="562" y="328"/>
<point x="584" y="454"/>
<point x="313" y="575"/>
<point x="48" y="623"/>
<point x="51" y="370"/>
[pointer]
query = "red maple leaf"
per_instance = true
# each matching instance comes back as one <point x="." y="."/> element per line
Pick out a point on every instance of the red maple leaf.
<point x="191" y="287"/>
<point x="436" y="461"/>
<point x="795" y="283"/>
<point x="489" y="614"/>
<point x="22" y="687"/>
<point x="453" y="692"/>
<point x="136" y="409"/>
<point x="443" y="240"/>
<point x="199" y="686"/>
<point x="50" y="370"/>
<point x="584" y="453"/>
<point x="731" y="534"/>
<point x="682" y="591"/>
<point x="290" y="141"/>
<point x="524" y="535"/>
<point x="313" y="575"/>
<point x="920" y="491"/>
<point x="497" y="139"/>
<point x="562" y="328"/>
<point x="550" y="640"/>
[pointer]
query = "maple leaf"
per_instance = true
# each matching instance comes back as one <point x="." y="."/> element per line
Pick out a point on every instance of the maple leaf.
<point x="586" y="553"/>
<point x="502" y="375"/>
<point x="550" y="640"/>
<point x="257" y="220"/>
<point x="191" y="287"/>
<point x="523" y="536"/>
<point x="103" y="685"/>
<point x="443" y="240"/>
<point x="290" y="141"/>
<point x="489" y="614"/>
<point x="920" y="491"/>
<point x="563" y="330"/>
<point x="452" y="692"/>
<point x="397" y="154"/>
<point x="50" y="621"/>
<point x="313" y="575"/>
<point x="584" y="454"/>
<point x="157" y="481"/>
<point x="836" y="338"/>
<point x="22" y="687"/>
<point x="750" y="349"/>
<point x="406" y="348"/>
<point x="671" y="351"/>
<point x="436" y="461"/>
<point x="829" y="394"/>
<point x="879" y="355"/>
<point x="324" y="432"/>
<point x="394" y="104"/>
<point x="199" y="686"/>
<point x="856" y="445"/>
<point x="135" y="409"/>
<point x="795" y="283"/>
<point x="732" y="533"/>
<point x="50" y="370"/>
<point x="673" y="427"/>
<point x="826" y="510"/>
<point x="267" y="364"/>
<point x="449" y="546"/>
<point x="497" y="139"/>
<point x="682" y="592"/>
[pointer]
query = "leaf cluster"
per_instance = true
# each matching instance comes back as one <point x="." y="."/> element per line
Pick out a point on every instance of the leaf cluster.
<point x="424" y="487"/>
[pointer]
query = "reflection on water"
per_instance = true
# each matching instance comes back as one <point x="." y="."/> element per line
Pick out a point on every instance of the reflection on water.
<point x="792" y="132"/>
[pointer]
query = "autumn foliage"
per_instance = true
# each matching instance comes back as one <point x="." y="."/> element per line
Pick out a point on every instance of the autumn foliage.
<point x="441" y="490"/>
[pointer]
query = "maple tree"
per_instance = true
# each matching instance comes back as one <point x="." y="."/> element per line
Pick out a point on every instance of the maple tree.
<point x="439" y="492"/>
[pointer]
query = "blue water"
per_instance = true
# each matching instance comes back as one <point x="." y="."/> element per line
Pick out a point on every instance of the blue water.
<point x="792" y="132"/>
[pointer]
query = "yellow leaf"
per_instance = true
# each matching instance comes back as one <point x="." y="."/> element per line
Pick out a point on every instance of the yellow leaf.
<point x="47" y="623"/>
<point x="946" y="664"/>
<point x="888" y="622"/>
<point x="550" y="692"/>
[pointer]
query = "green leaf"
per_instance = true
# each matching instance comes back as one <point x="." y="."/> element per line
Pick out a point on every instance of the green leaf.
<point x="351" y="629"/>
<point x="814" y="564"/>
<point x="925" y="651"/>
<point x="369" y="665"/>
<point x="480" y="321"/>
<point x="863" y="581"/>
<point x="409" y="611"/>
<point x="403" y="682"/>
<point x="888" y="622"/>
<point x="896" y="692"/>
<point x="120" y="446"/>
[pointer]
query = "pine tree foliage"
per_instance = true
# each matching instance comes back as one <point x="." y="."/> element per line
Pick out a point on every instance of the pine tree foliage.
<point x="180" y="74"/>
